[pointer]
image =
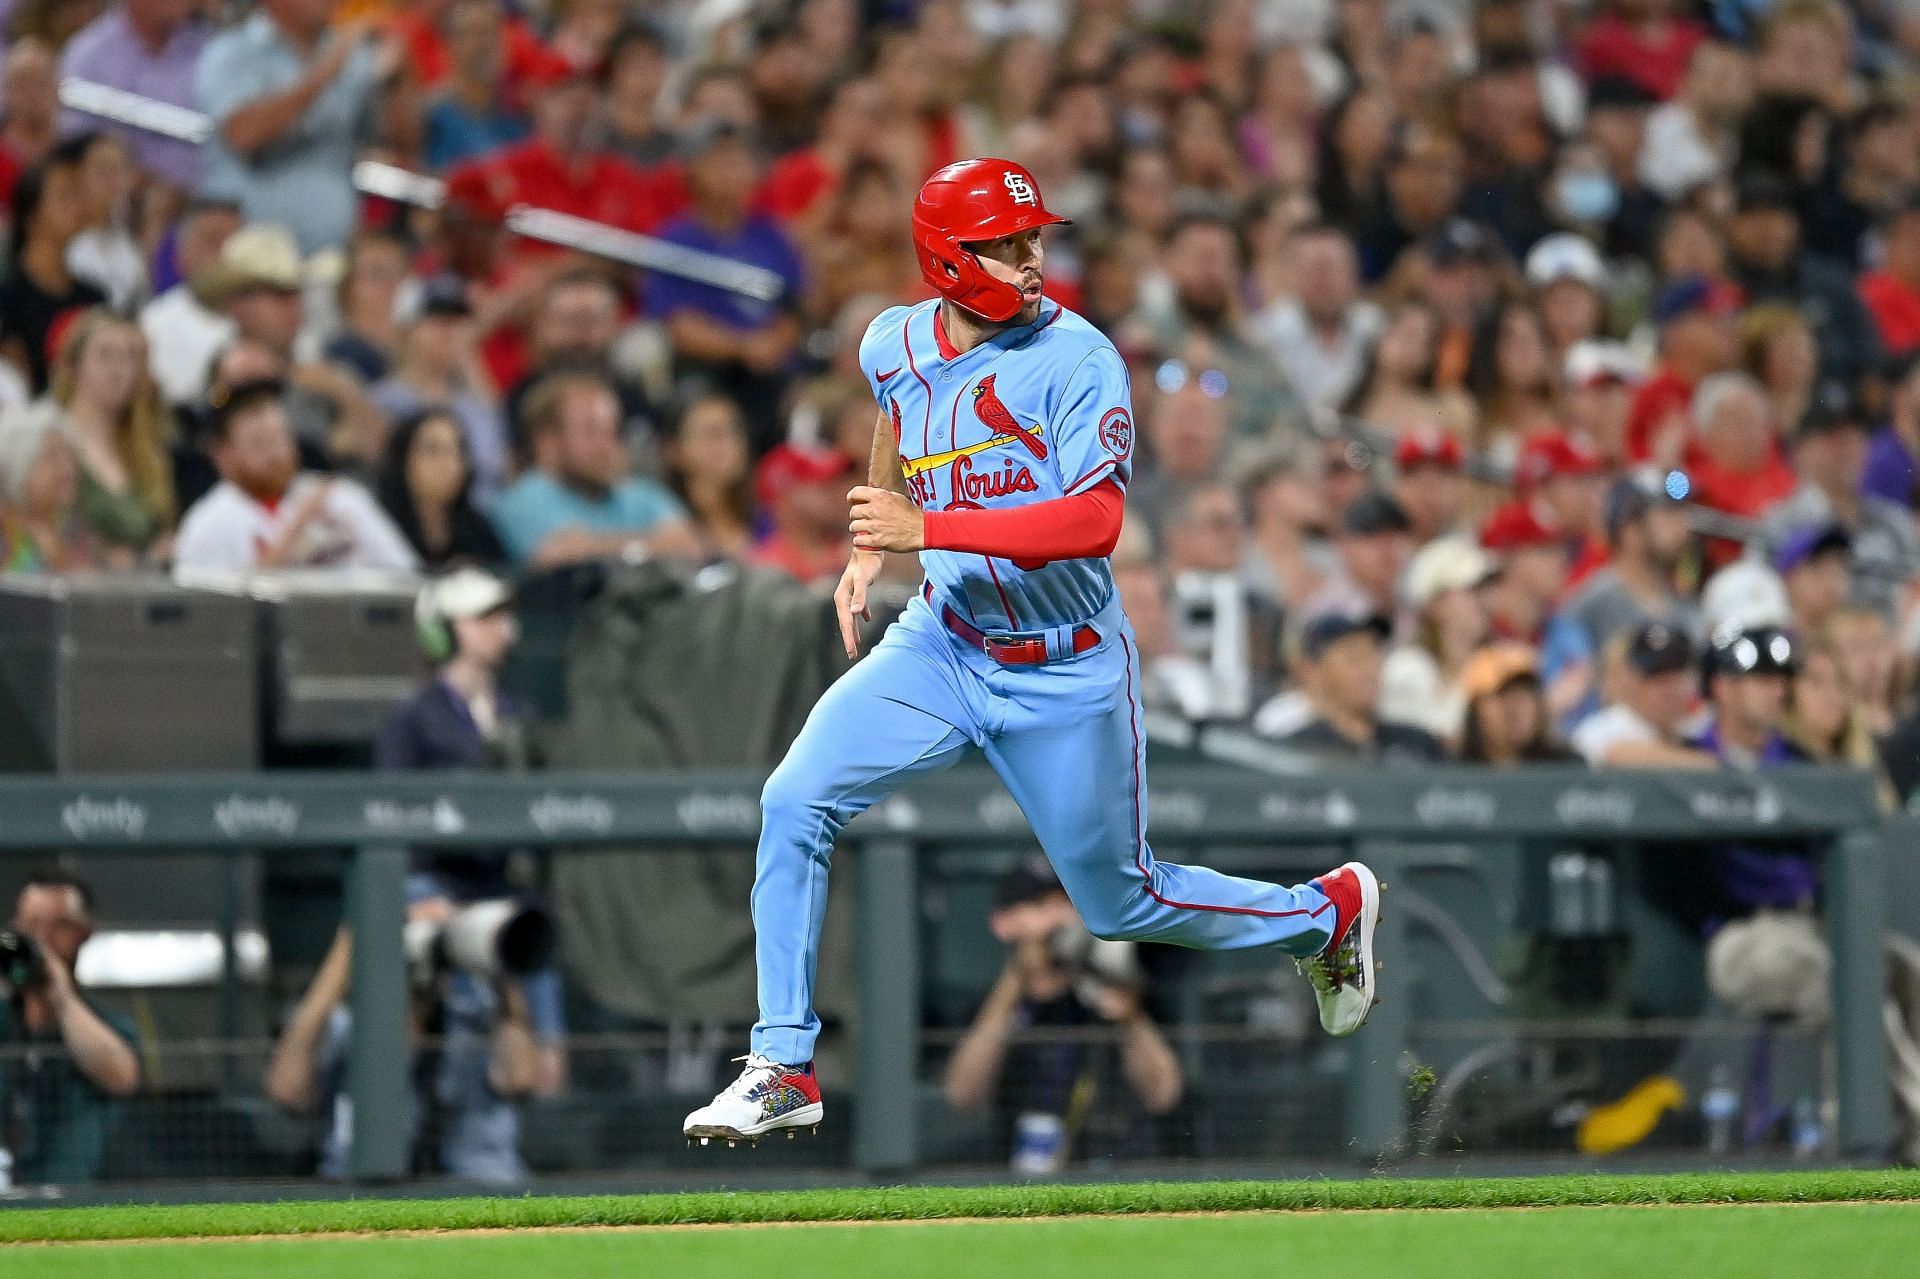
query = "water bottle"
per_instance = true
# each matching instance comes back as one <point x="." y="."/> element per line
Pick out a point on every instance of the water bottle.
<point x="1567" y="896"/>
<point x="1720" y="1107"/>
<point x="1039" y="1144"/>
<point x="1599" y="884"/>
<point x="1808" y="1132"/>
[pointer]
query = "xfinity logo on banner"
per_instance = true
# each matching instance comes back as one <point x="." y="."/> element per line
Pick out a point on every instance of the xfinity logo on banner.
<point x="1761" y="806"/>
<point x="441" y="817"/>
<point x="1596" y="806"/>
<point x="1176" y="808"/>
<point x="1329" y="808"/>
<point x="238" y="816"/>
<point x="705" y="811"/>
<point x="1439" y="807"/>
<point x="555" y="814"/>
<point x="90" y="818"/>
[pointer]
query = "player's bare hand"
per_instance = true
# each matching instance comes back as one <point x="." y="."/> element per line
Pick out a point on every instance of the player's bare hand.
<point x="850" y="597"/>
<point x="883" y="520"/>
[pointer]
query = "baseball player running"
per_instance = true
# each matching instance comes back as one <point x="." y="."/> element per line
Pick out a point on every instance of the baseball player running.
<point x="1002" y="455"/>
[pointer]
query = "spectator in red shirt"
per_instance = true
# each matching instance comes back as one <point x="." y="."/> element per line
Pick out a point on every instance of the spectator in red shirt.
<point x="1736" y="464"/>
<point x="1641" y="41"/>
<point x="1533" y="572"/>
<point x="799" y="182"/>
<point x="1599" y="382"/>
<point x="803" y="491"/>
<point x="1562" y="477"/>
<point x="1893" y="292"/>
<point x="562" y="168"/>
<point x="420" y="29"/>
<point x="29" y="111"/>
<point x="1431" y="482"/>
<point x="1697" y="338"/>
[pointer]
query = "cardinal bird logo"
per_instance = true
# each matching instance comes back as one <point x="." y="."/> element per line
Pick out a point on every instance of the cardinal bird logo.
<point x="893" y="407"/>
<point x="988" y="408"/>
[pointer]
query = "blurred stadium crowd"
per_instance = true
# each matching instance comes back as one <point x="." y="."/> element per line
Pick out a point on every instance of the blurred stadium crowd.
<point x="1509" y="323"/>
<point x="1518" y="380"/>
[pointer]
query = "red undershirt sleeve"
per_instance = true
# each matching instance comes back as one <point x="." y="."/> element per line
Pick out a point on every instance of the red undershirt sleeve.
<point x="1084" y="526"/>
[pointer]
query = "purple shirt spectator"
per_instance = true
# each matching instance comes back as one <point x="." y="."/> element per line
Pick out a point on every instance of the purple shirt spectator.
<point x="1890" y="468"/>
<point x="756" y="241"/>
<point x="140" y="47"/>
<point x="1753" y="878"/>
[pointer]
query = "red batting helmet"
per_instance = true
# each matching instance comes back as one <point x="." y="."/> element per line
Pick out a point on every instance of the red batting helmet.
<point x="967" y="203"/>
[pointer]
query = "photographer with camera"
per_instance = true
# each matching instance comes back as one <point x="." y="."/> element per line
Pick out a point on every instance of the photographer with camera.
<point x="461" y="719"/>
<point x="462" y="1114"/>
<point x="1058" y="978"/>
<point x="56" y="1108"/>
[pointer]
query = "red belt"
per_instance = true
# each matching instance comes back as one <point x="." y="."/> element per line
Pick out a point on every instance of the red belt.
<point x="1028" y="651"/>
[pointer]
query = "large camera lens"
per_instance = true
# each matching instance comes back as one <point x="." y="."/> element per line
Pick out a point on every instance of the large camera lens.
<point x="21" y="966"/>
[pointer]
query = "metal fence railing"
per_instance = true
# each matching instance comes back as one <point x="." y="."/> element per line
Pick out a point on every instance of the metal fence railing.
<point x="1462" y="1058"/>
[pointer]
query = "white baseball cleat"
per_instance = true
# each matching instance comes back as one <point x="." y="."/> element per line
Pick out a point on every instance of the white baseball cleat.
<point x="767" y="1096"/>
<point x="1345" y="976"/>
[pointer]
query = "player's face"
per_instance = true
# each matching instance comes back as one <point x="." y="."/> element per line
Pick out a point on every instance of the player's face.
<point x="1018" y="260"/>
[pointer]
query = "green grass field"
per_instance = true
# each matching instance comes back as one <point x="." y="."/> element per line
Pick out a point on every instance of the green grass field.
<point x="1860" y="1224"/>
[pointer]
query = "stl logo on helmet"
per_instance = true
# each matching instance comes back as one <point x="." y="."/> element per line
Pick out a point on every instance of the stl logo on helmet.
<point x="1020" y="189"/>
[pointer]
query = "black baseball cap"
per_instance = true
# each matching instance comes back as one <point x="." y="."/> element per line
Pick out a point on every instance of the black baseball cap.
<point x="1374" y="512"/>
<point x="1323" y="631"/>
<point x="1610" y="91"/>
<point x="1632" y="496"/>
<point x="1029" y="881"/>
<point x="445" y="295"/>
<point x="1655" y="648"/>
<point x="1758" y="650"/>
<point x="1761" y="189"/>
<point x="1459" y="240"/>
<point x="1831" y="408"/>
<point x="1810" y="542"/>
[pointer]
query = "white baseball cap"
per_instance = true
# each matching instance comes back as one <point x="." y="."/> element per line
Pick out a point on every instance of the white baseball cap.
<point x="1565" y="256"/>
<point x="462" y="594"/>
<point x="1598" y="359"/>
<point x="1446" y="564"/>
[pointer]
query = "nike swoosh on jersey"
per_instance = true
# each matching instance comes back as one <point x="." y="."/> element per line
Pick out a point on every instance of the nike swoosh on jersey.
<point x="883" y="377"/>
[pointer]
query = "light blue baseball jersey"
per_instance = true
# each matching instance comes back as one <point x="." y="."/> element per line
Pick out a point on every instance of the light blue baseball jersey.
<point x="1036" y="412"/>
